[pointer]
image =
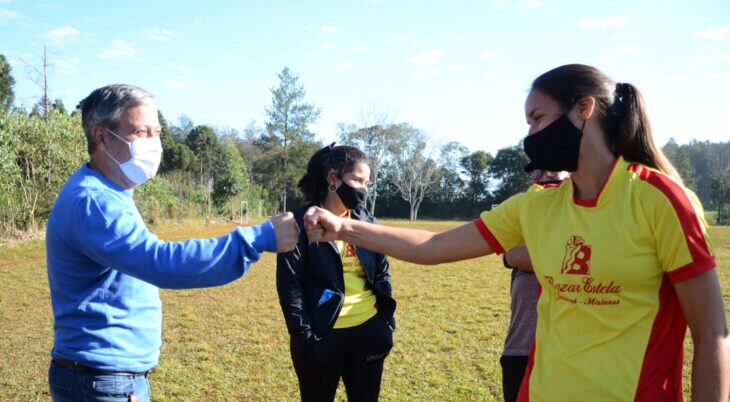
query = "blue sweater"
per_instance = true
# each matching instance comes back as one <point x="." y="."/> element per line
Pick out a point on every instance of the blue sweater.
<point x="105" y="268"/>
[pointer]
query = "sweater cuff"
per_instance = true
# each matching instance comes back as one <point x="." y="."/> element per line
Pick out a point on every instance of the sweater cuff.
<point x="261" y="237"/>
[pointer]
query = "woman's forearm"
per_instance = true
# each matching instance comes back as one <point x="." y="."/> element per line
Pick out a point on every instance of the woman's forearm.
<point x="417" y="246"/>
<point x="701" y="300"/>
<point x="711" y="369"/>
<point x="412" y="245"/>
<point x="404" y="244"/>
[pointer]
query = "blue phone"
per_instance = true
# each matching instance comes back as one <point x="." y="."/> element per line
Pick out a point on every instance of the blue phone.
<point x="326" y="295"/>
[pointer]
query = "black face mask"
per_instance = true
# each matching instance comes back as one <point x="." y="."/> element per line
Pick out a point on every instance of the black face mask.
<point x="352" y="197"/>
<point x="555" y="147"/>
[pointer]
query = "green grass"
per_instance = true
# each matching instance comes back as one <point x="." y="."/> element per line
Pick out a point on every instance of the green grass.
<point x="710" y="217"/>
<point x="230" y="343"/>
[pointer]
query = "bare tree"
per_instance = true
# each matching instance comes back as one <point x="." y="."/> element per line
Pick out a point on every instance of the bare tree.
<point x="374" y="136"/>
<point x="247" y="146"/>
<point x="39" y="76"/>
<point x="413" y="166"/>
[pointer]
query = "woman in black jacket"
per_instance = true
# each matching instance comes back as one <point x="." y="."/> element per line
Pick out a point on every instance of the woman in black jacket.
<point x="336" y="297"/>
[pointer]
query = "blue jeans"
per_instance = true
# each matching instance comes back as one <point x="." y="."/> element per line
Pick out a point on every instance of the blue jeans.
<point x="68" y="385"/>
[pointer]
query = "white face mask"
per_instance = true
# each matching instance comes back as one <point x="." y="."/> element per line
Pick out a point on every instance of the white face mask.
<point x="146" y="155"/>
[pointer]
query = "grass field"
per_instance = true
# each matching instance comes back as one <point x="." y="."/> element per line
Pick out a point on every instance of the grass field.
<point x="230" y="343"/>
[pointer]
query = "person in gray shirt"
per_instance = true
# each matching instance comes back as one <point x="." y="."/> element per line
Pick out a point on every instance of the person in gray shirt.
<point x="523" y="305"/>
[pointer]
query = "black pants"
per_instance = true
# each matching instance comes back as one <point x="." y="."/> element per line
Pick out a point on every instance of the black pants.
<point x="356" y="354"/>
<point x="513" y="371"/>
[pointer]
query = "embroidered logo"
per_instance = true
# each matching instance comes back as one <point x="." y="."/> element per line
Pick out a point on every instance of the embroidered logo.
<point x="577" y="257"/>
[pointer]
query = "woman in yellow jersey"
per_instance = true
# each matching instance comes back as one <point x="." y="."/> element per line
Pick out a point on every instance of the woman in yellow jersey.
<point x="620" y="251"/>
<point x="523" y="301"/>
<point x="336" y="297"/>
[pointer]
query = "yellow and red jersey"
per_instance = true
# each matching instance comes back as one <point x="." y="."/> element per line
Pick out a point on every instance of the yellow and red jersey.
<point x="610" y="326"/>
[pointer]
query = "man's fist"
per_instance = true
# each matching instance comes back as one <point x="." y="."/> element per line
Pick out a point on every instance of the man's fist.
<point x="321" y="225"/>
<point x="287" y="232"/>
<point x="518" y="257"/>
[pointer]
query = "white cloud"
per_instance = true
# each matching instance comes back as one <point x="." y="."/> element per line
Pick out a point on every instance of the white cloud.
<point x="328" y="45"/>
<point x="680" y="77"/>
<point x="456" y="67"/>
<point x="158" y="34"/>
<point x="497" y="3"/>
<point x="172" y="68"/>
<point x="403" y="41"/>
<point x="606" y="22"/>
<point x="456" y="36"/>
<point x="9" y="15"/>
<point x="714" y="34"/>
<point x="16" y="62"/>
<point x="626" y="48"/>
<point x="712" y="56"/>
<point x="330" y="29"/>
<point x="499" y="57"/>
<point x="66" y="66"/>
<point x="175" y="84"/>
<point x="342" y="66"/>
<point x="179" y="68"/>
<point x="618" y="53"/>
<point x="428" y="58"/>
<point x="4" y="1"/>
<point x="60" y="35"/>
<point x="530" y="5"/>
<point x="120" y="50"/>
<point x="422" y="74"/>
<point x="357" y="48"/>
<point x="48" y="6"/>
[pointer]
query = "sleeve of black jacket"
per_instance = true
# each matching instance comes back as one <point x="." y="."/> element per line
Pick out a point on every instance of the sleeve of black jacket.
<point x="289" y="272"/>
<point x="383" y="266"/>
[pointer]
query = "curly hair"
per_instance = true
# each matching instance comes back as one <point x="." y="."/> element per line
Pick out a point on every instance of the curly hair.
<point x="341" y="158"/>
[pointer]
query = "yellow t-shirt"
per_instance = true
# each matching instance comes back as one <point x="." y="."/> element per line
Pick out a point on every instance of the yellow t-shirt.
<point x="359" y="303"/>
<point x="610" y="327"/>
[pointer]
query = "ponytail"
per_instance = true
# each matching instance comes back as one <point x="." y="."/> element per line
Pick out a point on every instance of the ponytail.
<point x="632" y="136"/>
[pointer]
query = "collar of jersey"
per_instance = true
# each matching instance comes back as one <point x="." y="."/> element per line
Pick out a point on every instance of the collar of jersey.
<point x="619" y="165"/>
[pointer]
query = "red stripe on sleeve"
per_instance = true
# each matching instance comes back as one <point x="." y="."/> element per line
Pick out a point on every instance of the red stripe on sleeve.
<point x="702" y="259"/>
<point x="694" y="268"/>
<point x="488" y="236"/>
<point x="661" y="371"/>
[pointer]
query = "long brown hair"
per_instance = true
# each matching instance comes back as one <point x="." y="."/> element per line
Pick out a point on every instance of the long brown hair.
<point x="620" y="109"/>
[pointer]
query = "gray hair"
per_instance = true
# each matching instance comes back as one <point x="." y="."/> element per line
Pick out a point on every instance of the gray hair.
<point x="104" y="107"/>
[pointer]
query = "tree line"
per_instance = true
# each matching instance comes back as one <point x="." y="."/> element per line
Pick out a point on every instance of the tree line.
<point x="211" y="171"/>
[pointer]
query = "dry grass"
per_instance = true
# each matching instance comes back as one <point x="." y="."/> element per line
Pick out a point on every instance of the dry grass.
<point x="230" y="343"/>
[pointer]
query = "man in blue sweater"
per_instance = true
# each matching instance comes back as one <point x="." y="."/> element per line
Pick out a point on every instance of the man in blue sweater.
<point x="105" y="268"/>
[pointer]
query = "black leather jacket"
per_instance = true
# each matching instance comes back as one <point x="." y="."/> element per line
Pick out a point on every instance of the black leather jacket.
<point x="303" y="275"/>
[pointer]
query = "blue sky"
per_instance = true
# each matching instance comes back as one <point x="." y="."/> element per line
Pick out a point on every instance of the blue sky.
<point x="459" y="70"/>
